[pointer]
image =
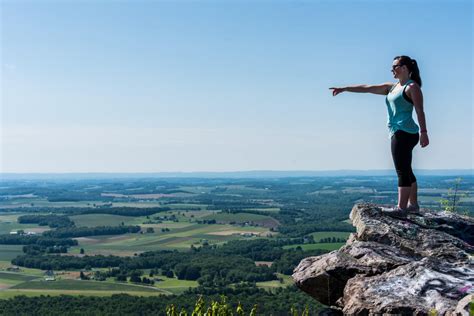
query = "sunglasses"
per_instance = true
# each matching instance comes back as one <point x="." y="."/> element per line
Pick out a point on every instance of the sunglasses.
<point x="396" y="66"/>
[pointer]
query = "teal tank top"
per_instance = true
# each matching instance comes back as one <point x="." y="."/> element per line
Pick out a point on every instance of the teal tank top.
<point x="400" y="112"/>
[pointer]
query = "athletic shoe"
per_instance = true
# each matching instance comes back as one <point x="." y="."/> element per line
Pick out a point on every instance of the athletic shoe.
<point x="396" y="211"/>
<point x="413" y="208"/>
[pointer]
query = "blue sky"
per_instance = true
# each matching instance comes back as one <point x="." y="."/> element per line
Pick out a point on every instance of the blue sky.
<point x="150" y="86"/>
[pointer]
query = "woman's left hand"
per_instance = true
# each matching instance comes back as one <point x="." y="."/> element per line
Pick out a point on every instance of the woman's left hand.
<point x="424" y="141"/>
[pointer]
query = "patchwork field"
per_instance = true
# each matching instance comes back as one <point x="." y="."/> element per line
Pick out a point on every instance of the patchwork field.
<point x="82" y="285"/>
<point x="184" y="206"/>
<point x="9" y="293"/>
<point x="12" y="283"/>
<point x="93" y="220"/>
<point x="12" y="278"/>
<point x="8" y="252"/>
<point x="270" y="209"/>
<point x="181" y="236"/>
<point x="41" y="202"/>
<point x="141" y="204"/>
<point x="31" y="272"/>
<point x="358" y="190"/>
<point x="324" y="246"/>
<point x="258" y="219"/>
<point x="9" y="223"/>
<point x="174" y="285"/>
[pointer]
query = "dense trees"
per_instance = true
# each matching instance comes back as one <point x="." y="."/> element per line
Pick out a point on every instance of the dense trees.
<point x="65" y="232"/>
<point x="52" y="220"/>
<point x="51" y="262"/>
<point x="124" y="211"/>
<point x="268" y="303"/>
<point x="98" y="209"/>
<point x="232" y="263"/>
<point x="22" y="239"/>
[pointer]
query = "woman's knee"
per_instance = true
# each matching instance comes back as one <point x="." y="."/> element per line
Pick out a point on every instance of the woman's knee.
<point x="405" y="178"/>
<point x="412" y="177"/>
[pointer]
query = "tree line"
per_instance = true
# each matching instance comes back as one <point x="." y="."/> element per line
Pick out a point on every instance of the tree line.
<point x="278" y="302"/>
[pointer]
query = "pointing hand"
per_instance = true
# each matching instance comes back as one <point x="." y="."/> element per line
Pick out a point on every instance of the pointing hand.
<point x="336" y="91"/>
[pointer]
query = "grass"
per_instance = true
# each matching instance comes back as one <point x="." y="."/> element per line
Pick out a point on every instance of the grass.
<point x="41" y="202"/>
<point x="82" y="285"/>
<point x="26" y="285"/>
<point x="270" y="209"/>
<point x="6" y="294"/>
<point x="197" y="189"/>
<point x="183" y="215"/>
<point x="13" y="278"/>
<point x="323" y="192"/>
<point x="168" y="224"/>
<point x="9" y="222"/>
<point x="241" y="189"/>
<point x="8" y="252"/>
<point x="16" y="276"/>
<point x="287" y="280"/>
<point x="183" y="206"/>
<point x="425" y="199"/>
<point x="30" y="282"/>
<point x="357" y="190"/>
<point x="142" y="204"/>
<point x="93" y="220"/>
<point x="323" y="246"/>
<point x="318" y="235"/>
<point x="174" y="285"/>
<point x="32" y="272"/>
<point x="236" y="217"/>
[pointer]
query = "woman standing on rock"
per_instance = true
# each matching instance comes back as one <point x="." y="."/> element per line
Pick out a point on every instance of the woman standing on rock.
<point x="400" y="99"/>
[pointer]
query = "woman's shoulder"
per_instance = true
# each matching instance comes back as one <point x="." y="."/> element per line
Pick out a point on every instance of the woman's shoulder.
<point x="412" y="89"/>
<point x="412" y="85"/>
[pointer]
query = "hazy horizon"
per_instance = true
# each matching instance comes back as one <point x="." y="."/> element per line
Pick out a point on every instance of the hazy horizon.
<point x="255" y="174"/>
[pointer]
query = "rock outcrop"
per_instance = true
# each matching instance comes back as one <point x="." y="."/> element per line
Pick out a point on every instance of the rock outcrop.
<point x="411" y="266"/>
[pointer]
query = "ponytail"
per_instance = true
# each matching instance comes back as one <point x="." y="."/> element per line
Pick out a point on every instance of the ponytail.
<point x="415" y="72"/>
<point x="412" y="68"/>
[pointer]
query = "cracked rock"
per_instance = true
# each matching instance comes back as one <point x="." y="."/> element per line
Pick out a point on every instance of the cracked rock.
<point x="411" y="266"/>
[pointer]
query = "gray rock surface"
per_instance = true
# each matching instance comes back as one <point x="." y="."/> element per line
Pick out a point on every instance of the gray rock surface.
<point x="393" y="265"/>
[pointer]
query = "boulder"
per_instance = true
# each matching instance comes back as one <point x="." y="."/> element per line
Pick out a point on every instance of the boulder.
<point x="413" y="265"/>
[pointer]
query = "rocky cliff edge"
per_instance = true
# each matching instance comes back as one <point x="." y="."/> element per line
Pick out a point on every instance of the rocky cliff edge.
<point x="418" y="265"/>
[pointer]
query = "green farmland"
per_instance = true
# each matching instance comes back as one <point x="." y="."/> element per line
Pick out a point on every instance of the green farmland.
<point x="92" y="220"/>
<point x="8" y="252"/>
<point x="181" y="236"/>
<point x="325" y="246"/>
<point x="31" y="285"/>
<point x="82" y="285"/>
<point x="319" y="235"/>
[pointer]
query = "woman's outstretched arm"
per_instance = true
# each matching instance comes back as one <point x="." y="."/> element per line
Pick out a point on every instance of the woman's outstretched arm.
<point x="383" y="89"/>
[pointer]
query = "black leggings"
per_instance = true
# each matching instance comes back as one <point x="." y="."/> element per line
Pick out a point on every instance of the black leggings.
<point x="402" y="146"/>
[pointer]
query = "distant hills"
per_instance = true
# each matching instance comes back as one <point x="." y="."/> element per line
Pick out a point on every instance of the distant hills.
<point x="234" y="174"/>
